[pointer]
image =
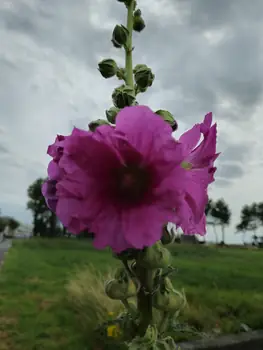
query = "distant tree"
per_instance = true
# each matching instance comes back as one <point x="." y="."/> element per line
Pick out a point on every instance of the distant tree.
<point x="10" y="222"/>
<point x="209" y="207"/>
<point x="222" y="215"/>
<point x="13" y="224"/>
<point x="260" y="213"/>
<point x="242" y="228"/>
<point x="254" y="240"/>
<point x="250" y="219"/>
<point x="2" y="224"/>
<point x="45" y="222"/>
<point x="210" y="220"/>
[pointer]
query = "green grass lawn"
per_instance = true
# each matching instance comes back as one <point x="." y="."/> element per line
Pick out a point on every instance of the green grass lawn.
<point x="224" y="288"/>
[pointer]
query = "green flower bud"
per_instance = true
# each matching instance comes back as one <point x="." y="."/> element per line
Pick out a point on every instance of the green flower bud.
<point x="154" y="257"/>
<point x="119" y="36"/>
<point x="121" y="73"/>
<point x="111" y="114"/>
<point x="138" y="21"/>
<point x="120" y="289"/>
<point x="123" y="96"/>
<point x="137" y="13"/>
<point x="138" y="67"/>
<point x="167" y="236"/>
<point x="93" y="125"/>
<point x="108" y="68"/>
<point x="143" y="76"/>
<point x="168" y="117"/>
<point x="167" y="299"/>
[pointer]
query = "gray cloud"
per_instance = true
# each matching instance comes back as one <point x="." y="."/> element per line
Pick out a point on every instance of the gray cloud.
<point x="223" y="183"/>
<point x="237" y="153"/>
<point x="230" y="171"/>
<point x="3" y="150"/>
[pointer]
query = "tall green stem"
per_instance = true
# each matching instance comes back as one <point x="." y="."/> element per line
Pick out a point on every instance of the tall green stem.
<point x="128" y="49"/>
<point x="144" y="299"/>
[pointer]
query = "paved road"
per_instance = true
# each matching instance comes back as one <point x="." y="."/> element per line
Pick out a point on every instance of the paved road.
<point x="4" y="246"/>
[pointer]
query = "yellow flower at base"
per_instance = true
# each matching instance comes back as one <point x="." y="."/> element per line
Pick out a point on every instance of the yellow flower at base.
<point x="113" y="331"/>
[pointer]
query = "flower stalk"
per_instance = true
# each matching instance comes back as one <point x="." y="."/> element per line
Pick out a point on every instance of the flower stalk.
<point x="144" y="299"/>
<point x="128" y="47"/>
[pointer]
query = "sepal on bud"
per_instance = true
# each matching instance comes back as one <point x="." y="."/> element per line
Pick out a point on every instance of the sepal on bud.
<point x="111" y="114"/>
<point x="93" y="125"/>
<point x="167" y="237"/>
<point x="128" y="254"/>
<point x="148" y="341"/>
<point x="108" y="68"/>
<point x="154" y="257"/>
<point x="143" y="76"/>
<point x="168" y="117"/>
<point x="168" y="299"/>
<point x="119" y="36"/>
<point x="123" y="96"/>
<point x="121" y="287"/>
<point x="121" y="73"/>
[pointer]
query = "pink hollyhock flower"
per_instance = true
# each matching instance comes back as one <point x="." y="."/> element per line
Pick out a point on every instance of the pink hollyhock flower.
<point x="200" y="165"/>
<point x="125" y="183"/>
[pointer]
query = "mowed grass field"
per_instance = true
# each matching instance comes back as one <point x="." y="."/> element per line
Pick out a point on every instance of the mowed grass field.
<point x="223" y="286"/>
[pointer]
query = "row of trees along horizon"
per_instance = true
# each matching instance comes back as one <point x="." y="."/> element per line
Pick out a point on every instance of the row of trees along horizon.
<point x="218" y="213"/>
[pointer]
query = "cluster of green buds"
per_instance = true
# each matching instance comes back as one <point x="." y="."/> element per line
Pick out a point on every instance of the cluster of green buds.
<point x="135" y="80"/>
<point x="145" y="277"/>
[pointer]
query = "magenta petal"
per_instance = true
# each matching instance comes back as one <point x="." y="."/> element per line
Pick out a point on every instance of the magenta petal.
<point x="68" y="211"/>
<point x="54" y="171"/>
<point x="205" y="152"/>
<point x="80" y="132"/>
<point x="191" y="137"/>
<point x="49" y="193"/>
<point x="109" y="234"/>
<point x="56" y="148"/>
<point x="185" y="220"/>
<point x="44" y="189"/>
<point x="146" y="131"/>
<point x="196" y="192"/>
<point x="205" y="126"/>
<point x="142" y="226"/>
<point x="102" y="132"/>
<point x="95" y="158"/>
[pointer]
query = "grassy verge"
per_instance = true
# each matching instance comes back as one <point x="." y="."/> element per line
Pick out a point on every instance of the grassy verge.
<point x="224" y="288"/>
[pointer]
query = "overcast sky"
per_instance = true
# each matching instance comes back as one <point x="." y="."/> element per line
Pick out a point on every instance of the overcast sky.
<point x="207" y="56"/>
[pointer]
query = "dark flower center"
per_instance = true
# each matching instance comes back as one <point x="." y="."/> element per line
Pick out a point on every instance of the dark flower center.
<point x="132" y="184"/>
